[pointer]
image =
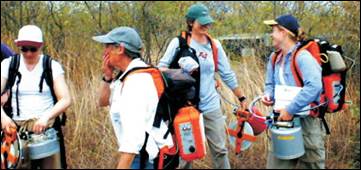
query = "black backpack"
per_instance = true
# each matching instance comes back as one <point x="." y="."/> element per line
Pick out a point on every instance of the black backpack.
<point x="46" y="76"/>
<point x="184" y="50"/>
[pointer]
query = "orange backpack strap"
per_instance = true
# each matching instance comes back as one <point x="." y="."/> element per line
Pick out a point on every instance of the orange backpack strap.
<point x="214" y="52"/>
<point x="313" y="48"/>
<point x="154" y="72"/>
<point x="274" y="56"/>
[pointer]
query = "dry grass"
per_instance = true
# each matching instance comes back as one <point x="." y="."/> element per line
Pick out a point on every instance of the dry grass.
<point x="90" y="140"/>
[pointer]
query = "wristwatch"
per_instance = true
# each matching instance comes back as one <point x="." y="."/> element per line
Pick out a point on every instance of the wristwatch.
<point x="107" y="81"/>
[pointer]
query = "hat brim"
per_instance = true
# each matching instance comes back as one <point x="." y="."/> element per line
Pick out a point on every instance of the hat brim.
<point x="21" y="43"/>
<point x="205" y="20"/>
<point x="270" y="22"/>
<point x="103" y="39"/>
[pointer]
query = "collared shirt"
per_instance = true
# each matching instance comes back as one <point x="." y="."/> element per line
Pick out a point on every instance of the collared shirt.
<point x="133" y="104"/>
<point x="311" y="76"/>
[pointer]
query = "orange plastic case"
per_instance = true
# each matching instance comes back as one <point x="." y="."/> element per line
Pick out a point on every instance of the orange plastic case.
<point x="188" y="125"/>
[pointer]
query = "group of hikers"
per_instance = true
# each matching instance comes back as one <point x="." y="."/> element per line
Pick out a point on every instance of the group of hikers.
<point x="132" y="89"/>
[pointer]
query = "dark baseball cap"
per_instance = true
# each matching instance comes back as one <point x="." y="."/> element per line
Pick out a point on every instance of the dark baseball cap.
<point x="288" y="22"/>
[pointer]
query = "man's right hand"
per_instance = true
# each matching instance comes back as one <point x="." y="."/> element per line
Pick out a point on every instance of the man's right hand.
<point x="107" y="69"/>
<point x="266" y="100"/>
<point x="7" y="124"/>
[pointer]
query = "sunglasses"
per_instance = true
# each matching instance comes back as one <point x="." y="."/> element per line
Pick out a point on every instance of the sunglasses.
<point x="26" y="49"/>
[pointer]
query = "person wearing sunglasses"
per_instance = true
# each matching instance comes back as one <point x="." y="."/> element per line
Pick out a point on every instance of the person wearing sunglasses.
<point x="35" y="104"/>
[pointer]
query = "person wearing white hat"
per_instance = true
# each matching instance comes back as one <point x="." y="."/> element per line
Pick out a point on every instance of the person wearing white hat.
<point x="35" y="101"/>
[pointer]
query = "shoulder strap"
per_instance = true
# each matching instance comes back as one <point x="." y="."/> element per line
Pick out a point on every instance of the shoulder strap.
<point x="13" y="72"/>
<point x="274" y="58"/>
<point x="214" y="52"/>
<point x="294" y="67"/>
<point x="47" y="75"/>
<point x="184" y="40"/>
<point x="312" y="47"/>
<point x="183" y="45"/>
<point x="154" y="72"/>
<point x="131" y="71"/>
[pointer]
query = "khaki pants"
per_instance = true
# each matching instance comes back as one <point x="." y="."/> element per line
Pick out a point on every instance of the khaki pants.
<point x="314" y="141"/>
<point x="215" y="132"/>
<point x="51" y="162"/>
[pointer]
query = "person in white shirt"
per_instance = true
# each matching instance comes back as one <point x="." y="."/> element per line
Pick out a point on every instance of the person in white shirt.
<point x="133" y="102"/>
<point x="35" y="110"/>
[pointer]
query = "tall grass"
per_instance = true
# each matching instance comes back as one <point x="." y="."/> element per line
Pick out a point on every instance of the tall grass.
<point x="89" y="136"/>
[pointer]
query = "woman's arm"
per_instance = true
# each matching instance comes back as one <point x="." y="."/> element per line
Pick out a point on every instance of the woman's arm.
<point x="168" y="56"/>
<point x="6" y="122"/>
<point x="64" y="101"/>
<point x="225" y="71"/>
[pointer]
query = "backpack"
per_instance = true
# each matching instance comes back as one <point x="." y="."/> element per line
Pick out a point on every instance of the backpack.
<point x="2" y="56"/>
<point x="46" y="76"/>
<point x="332" y="98"/>
<point x="184" y="50"/>
<point x="175" y="89"/>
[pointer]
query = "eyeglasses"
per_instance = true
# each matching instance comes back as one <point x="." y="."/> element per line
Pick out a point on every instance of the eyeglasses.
<point x="26" y="49"/>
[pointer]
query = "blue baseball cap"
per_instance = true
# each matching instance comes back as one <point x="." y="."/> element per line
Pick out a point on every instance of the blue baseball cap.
<point x="289" y="22"/>
<point x="126" y="35"/>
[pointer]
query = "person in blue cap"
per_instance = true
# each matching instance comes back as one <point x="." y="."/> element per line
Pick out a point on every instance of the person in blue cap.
<point x="286" y="36"/>
<point x="133" y="101"/>
<point x="199" y="22"/>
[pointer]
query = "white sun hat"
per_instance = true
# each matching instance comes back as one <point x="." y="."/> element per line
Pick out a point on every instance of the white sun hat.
<point x="30" y="35"/>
